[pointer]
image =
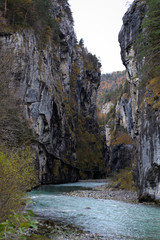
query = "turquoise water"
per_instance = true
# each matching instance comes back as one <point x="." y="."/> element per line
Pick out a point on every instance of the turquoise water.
<point x="113" y="219"/>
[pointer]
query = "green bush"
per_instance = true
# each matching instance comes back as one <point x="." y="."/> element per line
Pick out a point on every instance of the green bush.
<point x="16" y="225"/>
<point x="17" y="175"/>
<point x="125" y="179"/>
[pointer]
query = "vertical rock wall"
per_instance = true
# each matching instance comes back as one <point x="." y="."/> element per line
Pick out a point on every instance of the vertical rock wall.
<point x="145" y="113"/>
<point x="57" y="86"/>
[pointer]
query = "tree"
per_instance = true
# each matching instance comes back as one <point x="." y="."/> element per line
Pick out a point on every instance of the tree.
<point x="18" y="11"/>
<point x="81" y="43"/>
<point x="148" y="41"/>
<point x="5" y="7"/>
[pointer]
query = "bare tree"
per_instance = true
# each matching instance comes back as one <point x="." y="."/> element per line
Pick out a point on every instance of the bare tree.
<point x="5" y="7"/>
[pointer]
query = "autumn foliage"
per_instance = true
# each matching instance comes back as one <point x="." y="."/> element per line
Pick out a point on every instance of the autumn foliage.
<point x="109" y="82"/>
<point x="122" y="138"/>
<point x="153" y="93"/>
<point x="17" y="175"/>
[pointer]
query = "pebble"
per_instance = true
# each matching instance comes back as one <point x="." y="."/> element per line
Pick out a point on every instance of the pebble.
<point x="53" y="231"/>
<point x="120" y="195"/>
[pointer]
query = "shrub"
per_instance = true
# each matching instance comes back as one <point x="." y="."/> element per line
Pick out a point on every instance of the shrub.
<point x="16" y="224"/>
<point x="122" y="138"/>
<point x="153" y="92"/>
<point x="17" y="175"/>
<point x="125" y="179"/>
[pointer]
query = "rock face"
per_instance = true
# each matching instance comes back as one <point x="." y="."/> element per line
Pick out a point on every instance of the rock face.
<point x="132" y="21"/>
<point x="57" y="86"/>
<point x="121" y="156"/>
<point x="145" y="113"/>
<point x="117" y="130"/>
<point x="122" y="147"/>
<point x="106" y="107"/>
<point x="124" y="113"/>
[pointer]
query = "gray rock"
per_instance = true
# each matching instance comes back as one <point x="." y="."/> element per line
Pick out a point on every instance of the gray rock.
<point x="53" y="100"/>
<point x="145" y="120"/>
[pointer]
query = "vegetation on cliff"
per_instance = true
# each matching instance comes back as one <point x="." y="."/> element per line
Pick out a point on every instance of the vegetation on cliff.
<point x="152" y="94"/>
<point x="124" y="180"/>
<point x="114" y="117"/>
<point x="36" y="14"/>
<point x="111" y="88"/>
<point x="89" y="150"/>
<point x="146" y="58"/>
<point x="17" y="159"/>
<point x="114" y="90"/>
<point x="142" y="59"/>
<point x="26" y="12"/>
<point x="147" y="46"/>
<point x="108" y="85"/>
<point x="17" y="170"/>
<point x="91" y="62"/>
<point x="147" y="43"/>
<point x="69" y="81"/>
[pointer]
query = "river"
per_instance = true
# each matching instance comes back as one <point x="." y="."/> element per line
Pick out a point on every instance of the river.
<point x="112" y="219"/>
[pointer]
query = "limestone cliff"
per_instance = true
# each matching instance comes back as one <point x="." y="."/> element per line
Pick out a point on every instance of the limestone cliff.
<point x="145" y="110"/>
<point x="116" y="117"/>
<point x="56" y="84"/>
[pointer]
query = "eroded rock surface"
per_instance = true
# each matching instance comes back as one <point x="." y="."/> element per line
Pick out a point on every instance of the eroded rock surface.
<point x="57" y="86"/>
<point x="145" y="114"/>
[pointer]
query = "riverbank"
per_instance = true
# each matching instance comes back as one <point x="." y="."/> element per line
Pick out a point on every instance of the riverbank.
<point x="49" y="230"/>
<point x="105" y="192"/>
<point x="119" y="195"/>
<point x="63" y="215"/>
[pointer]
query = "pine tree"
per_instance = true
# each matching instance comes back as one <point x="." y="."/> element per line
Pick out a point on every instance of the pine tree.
<point x="148" y="41"/>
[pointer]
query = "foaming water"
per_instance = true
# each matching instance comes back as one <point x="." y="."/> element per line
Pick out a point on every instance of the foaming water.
<point x="113" y="219"/>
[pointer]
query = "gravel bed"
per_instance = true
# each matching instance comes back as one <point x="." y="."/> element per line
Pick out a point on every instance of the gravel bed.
<point x="119" y="195"/>
<point x="104" y="193"/>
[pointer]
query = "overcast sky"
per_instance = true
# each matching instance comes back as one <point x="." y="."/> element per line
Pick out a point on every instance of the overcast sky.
<point x="98" y="22"/>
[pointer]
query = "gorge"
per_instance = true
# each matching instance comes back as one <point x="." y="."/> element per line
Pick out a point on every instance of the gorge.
<point x="55" y="81"/>
<point x="53" y="133"/>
